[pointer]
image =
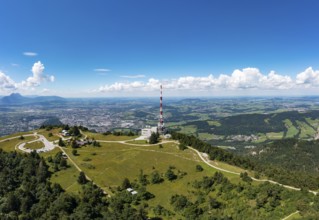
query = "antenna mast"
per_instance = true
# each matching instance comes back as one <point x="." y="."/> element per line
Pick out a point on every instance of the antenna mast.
<point x="161" y="121"/>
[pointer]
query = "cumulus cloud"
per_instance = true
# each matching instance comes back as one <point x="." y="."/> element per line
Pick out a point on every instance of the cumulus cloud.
<point x="30" y="54"/>
<point x="7" y="84"/>
<point x="245" y="79"/>
<point x="309" y="78"/>
<point x="37" y="77"/>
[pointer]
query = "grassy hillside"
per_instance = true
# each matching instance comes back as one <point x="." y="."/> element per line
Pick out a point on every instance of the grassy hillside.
<point x="193" y="193"/>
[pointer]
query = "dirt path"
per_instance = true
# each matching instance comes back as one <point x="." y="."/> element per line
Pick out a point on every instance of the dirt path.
<point x="287" y="217"/>
<point x="258" y="180"/>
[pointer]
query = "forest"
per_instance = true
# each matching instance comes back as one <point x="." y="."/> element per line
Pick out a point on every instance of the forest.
<point x="247" y="124"/>
<point x="275" y="171"/>
<point x="26" y="194"/>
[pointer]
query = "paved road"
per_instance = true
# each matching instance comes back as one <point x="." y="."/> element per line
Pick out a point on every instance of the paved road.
<point x="48" y="146"/>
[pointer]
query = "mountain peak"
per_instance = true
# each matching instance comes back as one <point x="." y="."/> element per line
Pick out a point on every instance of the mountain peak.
<point x="15" y="95"/>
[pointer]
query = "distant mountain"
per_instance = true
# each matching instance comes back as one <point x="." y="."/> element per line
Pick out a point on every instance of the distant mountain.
<point x="18" y="99"/>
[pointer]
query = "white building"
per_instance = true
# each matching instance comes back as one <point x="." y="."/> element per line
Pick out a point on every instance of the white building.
<point x="147" y="131"/>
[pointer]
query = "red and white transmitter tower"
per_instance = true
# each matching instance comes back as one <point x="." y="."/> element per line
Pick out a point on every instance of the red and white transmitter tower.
<point x="161" y="121"/>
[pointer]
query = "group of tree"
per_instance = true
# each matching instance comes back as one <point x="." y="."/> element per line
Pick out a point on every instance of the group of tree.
<point x="154" y="138"/>
<point x="120" y="133"/>
<point x="58" y="162"/>
<point x="26" y="193"/>
<point x="215" y="153"/>
<point x="277" y="171"/>
<point x="219" y="197"/>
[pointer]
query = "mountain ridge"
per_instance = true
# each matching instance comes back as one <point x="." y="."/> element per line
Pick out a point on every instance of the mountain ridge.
<point x="18" y="99"/>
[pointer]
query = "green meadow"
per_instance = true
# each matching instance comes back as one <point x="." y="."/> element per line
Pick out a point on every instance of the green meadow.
<point x="34" y="145"/>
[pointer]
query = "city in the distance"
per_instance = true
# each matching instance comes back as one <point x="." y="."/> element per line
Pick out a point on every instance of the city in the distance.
<point x="159" y="110"/>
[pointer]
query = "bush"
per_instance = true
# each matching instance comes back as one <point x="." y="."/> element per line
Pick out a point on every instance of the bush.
<point x="199" y="168"/>
<point x="170" y="175"/>
<point x="74" y="152"/>
<point x="82" y="178"/>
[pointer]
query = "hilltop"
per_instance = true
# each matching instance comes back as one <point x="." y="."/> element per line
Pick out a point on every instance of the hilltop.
<point x="171" y="183"/>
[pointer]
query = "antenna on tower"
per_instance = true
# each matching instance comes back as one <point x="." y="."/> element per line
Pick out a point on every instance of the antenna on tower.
<point x="161" y="121"/>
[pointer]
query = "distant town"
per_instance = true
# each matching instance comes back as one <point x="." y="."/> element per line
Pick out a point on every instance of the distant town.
<point x="101" y="115"/>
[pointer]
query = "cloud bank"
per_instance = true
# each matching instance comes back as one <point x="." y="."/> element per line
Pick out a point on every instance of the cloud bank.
<point x="9" y="85"/>
<point x="247" y="79"/>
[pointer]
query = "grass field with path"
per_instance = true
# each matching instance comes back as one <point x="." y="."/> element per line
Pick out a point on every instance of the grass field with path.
<point x="9" y="145"/>
<point x="34" y="145"/>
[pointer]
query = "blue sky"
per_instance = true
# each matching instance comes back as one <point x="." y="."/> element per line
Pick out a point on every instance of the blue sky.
<point x="77" y="48"/>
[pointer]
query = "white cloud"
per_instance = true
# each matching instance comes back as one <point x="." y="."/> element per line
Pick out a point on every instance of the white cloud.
<point x="102" y="70"/>
<point x="6" y="83"/>
<point x="238" y="80"/>
<point x="133" y="76"/>
<point x="309" y="78"/>
<point x="30" y="54"/>
<point x="37" y="77"/>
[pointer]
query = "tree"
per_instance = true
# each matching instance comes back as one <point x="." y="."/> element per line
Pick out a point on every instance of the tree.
<point x="63" y="163"/>
<point x="12" y="203"/>
<point x="96" y="144"/>
<point x="66" y="127"/>
<point x="74" y="144"/>
<point x="50" y="134"/>
<point x="74" y="152"/>
<point x="153" y="138"/>
<point x="199" y="168"/>
<point x="170" y="175"/>
<point x="82" y="178"/>
<point x="213" y="203"/>
<point x="76" y="132"/>
<point x="61" y="143"/>
<point x="244" y="176"/>
<point x="182" y="146"/>
<point x="126" y="183"/>
<point x="179" y="202"/>
<point x="130" y="134"/>
<point x="21" y="137"/>
<point x="156" y="177"/>
<point x="142" y="178"/>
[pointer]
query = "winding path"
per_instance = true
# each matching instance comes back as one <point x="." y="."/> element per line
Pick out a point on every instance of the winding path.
<point x="258" y="180"/>
<point x="48" y="146"/>
<point x="287" y="217"/>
